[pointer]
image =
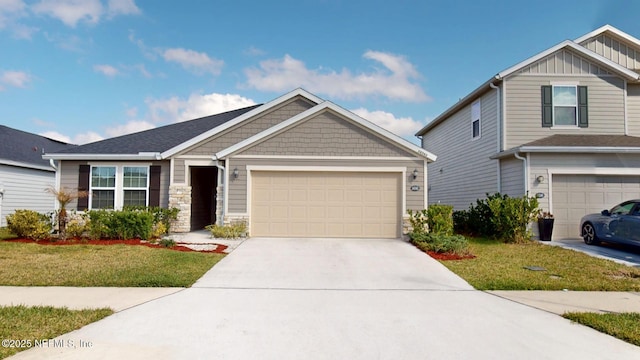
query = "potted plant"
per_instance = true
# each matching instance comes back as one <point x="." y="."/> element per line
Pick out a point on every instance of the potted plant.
<point x="545" y="225"/>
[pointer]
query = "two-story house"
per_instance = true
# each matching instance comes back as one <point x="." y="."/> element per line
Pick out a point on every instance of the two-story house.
<point x="562" y="125"/>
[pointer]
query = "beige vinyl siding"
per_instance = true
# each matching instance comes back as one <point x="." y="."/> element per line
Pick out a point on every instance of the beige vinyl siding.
<point x="633" y="109"/>
<point x="179" y="175"/>
<point x="237" y="195"/>
<point x="24" y="188"/>
<point x="463" y="171"/>
<point x="523" y="106"/>
<point x="249" y="128"/>
<point x="617" y="50"/>
<point x="69" y="177"/>
<point x="512" y="176"/>
<point x="326" y="135"/>
<point x="564" y="62"/>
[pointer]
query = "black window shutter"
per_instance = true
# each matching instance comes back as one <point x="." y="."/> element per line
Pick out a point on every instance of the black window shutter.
<point x="154" y="185"/>
<point x="83" y="185"/>
<point x="583" y="112"/>
<point x="547" y="106"/>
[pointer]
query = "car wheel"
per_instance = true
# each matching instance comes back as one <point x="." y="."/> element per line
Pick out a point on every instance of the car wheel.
<point x="589" y="234"/>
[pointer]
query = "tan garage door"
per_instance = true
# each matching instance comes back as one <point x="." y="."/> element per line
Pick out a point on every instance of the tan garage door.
<point x="325" y="204"/>
<point x="577" y="195"/>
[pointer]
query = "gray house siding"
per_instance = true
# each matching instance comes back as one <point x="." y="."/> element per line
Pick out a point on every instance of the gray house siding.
<point x="564" y="62"/>
<point x="633" y="109"/>
<point x="24" y="188"/>
<point x="69" y="177"/>
<point x="614" y="49"/>
<point x="238" y="188"/>
<point x="524" y="114"/>
<point x="464" y="171"/>
<point x="512" y="177"/>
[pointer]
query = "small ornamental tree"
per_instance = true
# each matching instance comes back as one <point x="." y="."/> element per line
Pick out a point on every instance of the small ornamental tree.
<point x="64" y="196"/>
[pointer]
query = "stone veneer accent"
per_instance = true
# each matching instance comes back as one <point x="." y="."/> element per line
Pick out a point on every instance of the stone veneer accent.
<point x="219" y="205"/>
<point x="180" y="198"/>
<point x="406" y="227"/>
<point x="228" y="220"/>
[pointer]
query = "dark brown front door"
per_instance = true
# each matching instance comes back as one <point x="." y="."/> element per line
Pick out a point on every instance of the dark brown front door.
<point x="203" y="196"/>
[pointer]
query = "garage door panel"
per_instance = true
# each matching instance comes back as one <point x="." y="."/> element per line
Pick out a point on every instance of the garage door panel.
<point x="576" y="195"/>
<point x="325" y="204"/>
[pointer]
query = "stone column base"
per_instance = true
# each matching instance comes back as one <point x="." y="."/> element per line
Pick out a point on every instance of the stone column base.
<point x="180" y="198"/>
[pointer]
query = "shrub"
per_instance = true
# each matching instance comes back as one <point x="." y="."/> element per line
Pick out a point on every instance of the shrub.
<point x="64" y="196"/>
<point x="167" y="242"/>
<point x="461" y="222"/>
<point x="30" y="224"/>
<point x="512" y="216"/>
<point x="123" y="224"/>
<point x="230" y="231"/>
<point x="418" y="221"/>
<point x="440" y="219"/>
<point x="441" y="243"/>
<point x="160" y="215"/>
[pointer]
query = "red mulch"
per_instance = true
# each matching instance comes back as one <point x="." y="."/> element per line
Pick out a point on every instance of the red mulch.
<point x="447" y="256"/>
<point x="219" y="249"/>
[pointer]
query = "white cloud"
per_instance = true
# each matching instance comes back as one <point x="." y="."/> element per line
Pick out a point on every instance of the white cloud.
<point x="396" y="81"/>
<point x="197" y="105"/>
<point x="106" y="70"/>
<point x="78" y="139"/>
<point x="10" y="9"/>
<point x="122" y="7"/>
<point x="404" y="127"/>
<point x="70" y="12"/>
<point x="196" y="62"/>
<point x="56" y="136"/>
<point x="254" y="51"/>
<point x="128" y="128"/>
<point x="15" y="79"/>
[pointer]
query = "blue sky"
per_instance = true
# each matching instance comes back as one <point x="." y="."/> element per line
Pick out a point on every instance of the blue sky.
<point x="84" y="70"/>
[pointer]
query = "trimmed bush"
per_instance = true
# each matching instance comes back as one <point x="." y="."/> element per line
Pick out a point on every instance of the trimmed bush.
<point x="122" y="225"/>
<point x="512" y="216"/>
<point x="160" y="215"/>
<point x="441" y="243"/>
<point x="230" y="231"/>
<point x="30" y="224"/>
<point x="440" y="219"/>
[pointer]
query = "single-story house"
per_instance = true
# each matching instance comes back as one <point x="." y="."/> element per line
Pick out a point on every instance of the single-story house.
<point x="295" y="166"/>
<point x="24" y="174"/>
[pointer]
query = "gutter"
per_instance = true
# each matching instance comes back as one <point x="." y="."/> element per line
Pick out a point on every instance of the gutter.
<point x="526" y="171"/>
<point x="498" y="132"/>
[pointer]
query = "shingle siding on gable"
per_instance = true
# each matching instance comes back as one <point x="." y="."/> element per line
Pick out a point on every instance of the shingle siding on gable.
<point x="523" y="106"/>
<point x="326" y="135"/>
<point x="249" y="128"/>
<point x="467" y="173"/>
<point x="618" y="51"/>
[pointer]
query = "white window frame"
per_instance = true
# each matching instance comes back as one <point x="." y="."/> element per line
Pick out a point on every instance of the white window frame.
<point x="476" y="115"/>
<point x="118" y="201"/>
<point x="553" y="106"/>
<point x="133" y="188"/>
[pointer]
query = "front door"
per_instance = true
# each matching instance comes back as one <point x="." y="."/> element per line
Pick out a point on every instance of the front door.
<point x="203" y="196"/>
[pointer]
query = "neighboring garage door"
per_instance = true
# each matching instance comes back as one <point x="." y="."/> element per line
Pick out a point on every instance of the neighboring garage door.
<point x="577" y="195"/>
<point x="325" y="204"/>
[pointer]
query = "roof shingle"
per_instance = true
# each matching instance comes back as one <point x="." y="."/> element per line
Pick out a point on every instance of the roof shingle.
<point x="23" y="147"/>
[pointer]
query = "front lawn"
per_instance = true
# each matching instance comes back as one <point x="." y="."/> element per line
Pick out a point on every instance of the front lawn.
<point x="24" y="327"/>
<point x="500" y="266"/>
<point x="625" y="326"/>
<point x="99" y="265"/>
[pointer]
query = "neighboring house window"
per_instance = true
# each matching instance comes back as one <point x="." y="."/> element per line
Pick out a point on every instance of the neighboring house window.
<point x="103" y="187"/>
<point x="114" y="186"/>
<point x="475" y="119"/>
<point x="564" y="105"/>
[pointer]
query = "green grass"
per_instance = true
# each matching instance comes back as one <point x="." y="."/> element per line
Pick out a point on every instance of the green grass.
<point x="100" y="265"/>
<point x="6" y="234"/>
<point x="41" y="322"/>
<point x="500" y="266"/>
<point x="624" y="326"/>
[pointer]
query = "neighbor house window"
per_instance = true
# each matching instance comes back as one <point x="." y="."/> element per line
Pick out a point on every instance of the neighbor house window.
<point x="564" y="105"/>
<point x="475" y="119"/>
<point x="103" y="187"/>
<point x="117" y="186"/>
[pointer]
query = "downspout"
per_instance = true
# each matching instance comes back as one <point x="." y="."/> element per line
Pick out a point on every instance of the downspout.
<point x="221" y="170"/>
<point x="626" y="120"/>
<point x="52" y="163"/>
<point x="498" y="132"/>
<point x="526" y="172"/>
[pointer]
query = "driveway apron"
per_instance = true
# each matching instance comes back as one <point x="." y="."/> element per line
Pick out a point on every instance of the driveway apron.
<point x="332" y="299"/>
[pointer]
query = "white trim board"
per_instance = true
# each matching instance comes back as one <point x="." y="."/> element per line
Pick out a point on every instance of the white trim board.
<point x="304" y="157"/>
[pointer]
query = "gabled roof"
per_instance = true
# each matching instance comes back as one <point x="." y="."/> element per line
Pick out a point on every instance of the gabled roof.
<point x="166" y="141"/>
<point x="567" y="44"/>
<point x="19" y="148"/>
<point x="578" y="144"/>
<point x="610" y="29"/>
<point x="326" y="105"/>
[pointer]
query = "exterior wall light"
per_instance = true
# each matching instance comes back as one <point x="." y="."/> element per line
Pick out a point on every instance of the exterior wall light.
<point x="540" y="178"/>
<point x="235" y="173"/>
<point x="415" y="174"/>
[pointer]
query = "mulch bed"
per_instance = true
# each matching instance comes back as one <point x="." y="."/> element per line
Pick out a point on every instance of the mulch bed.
<point x="72" y="241"/>
<point x="447" y="256"/>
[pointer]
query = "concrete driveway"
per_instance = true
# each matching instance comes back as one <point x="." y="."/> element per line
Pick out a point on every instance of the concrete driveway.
<point x="622" y="254"/>
<point x="333" y="299"/>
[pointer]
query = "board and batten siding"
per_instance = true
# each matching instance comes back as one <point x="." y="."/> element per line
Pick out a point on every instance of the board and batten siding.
<point x="564" y="62"/>
<point x="524" y="113"/>
<point x="463" y="171"/>
<point x="69" y="177"/>
<point x="238" y="188"/>
<point x="617" y="50"/>
<point x="24" y="188"/>
<point x="633" y="109"/>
